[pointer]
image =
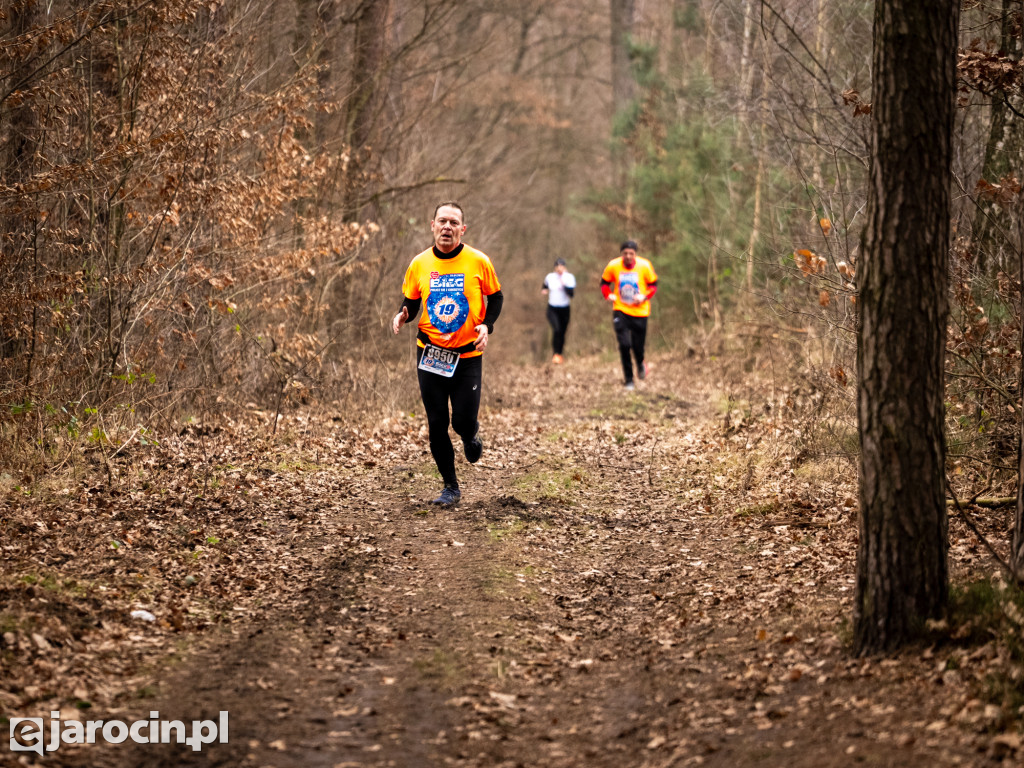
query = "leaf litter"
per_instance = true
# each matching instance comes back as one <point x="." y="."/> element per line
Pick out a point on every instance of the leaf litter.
<point x="649" y="579"/>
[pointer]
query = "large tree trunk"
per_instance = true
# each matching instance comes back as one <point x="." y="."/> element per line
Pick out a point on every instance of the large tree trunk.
<point x="902" y="572"/>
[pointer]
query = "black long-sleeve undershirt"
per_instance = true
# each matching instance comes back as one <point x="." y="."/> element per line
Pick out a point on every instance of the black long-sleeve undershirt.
<point x="413" y="305"/>
<point x="494" y="302"/>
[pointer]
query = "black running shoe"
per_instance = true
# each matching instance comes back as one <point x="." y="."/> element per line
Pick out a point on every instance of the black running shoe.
<point x="642" y="370"/>
<point x="473" y="449"/>
<point x="449" y="496"/>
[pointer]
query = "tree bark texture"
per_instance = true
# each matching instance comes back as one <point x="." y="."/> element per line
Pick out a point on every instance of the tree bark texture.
<point x="19" y="136"/>
<point x="623" y="87"/>
<point x="1017" y="538"/>
<point x="995" y="222"/>
<point x="902" y="555"/>
<point x="623" y="13"/>
<point x="368" y="72"/>
<point x="325" y="59"/>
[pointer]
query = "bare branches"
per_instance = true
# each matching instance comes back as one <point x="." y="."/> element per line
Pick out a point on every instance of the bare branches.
<point x="109" y="17"/>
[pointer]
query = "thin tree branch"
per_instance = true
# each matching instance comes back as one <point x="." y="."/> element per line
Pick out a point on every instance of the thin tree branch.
<point x="977" y="532"/>
<point x="29" y="77"/>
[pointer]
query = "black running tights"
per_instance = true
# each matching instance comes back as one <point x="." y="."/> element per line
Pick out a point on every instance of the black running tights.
<point x="558" y="317"/>
<point x="631" y="333"/>
<point x="463" y="391"/>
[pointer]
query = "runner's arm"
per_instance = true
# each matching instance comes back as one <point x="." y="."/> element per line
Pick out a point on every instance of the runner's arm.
<point x="409" y="310"/>
<point x="413" y="305"/>
<point x="652" y="288"/>
<point x="606" y="289"/>
<point x="494" y="302"/>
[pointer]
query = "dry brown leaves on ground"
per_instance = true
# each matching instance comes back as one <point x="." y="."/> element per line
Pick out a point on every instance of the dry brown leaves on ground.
<point x="657" y="578"/>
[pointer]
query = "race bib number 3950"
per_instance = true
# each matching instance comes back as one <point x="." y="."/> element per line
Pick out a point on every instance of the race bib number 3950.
<point x="439" y="360"/>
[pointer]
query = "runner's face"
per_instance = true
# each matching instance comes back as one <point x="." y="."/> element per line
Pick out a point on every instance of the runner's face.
<point x="448" y="228"/>
<point x="629" y="258"/>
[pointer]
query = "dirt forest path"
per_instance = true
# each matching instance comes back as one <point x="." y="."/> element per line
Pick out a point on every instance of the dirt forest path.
<point x="631" y="579"/>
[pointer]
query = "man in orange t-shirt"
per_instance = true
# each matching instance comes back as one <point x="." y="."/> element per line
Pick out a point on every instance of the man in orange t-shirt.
<point x="629" y="282"/>
<point x="463" y="299"/>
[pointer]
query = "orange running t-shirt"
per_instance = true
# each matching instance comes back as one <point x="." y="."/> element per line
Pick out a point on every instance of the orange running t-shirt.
<point x="453" y="293"/>
<point x="629" y="285"/>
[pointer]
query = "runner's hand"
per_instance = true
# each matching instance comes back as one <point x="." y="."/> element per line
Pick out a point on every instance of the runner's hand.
<point x="400" y="319"/>
<point x="481" y="337"/>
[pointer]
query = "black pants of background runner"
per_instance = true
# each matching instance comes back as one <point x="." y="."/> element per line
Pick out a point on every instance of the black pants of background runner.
<point x="463" y="392"/>
<point x="558" y="317"/>
<point x="631" y="333"/>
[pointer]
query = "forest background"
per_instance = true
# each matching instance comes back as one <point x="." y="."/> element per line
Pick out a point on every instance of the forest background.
<point x="207" y="204"/>
<point x="208" y="207"/>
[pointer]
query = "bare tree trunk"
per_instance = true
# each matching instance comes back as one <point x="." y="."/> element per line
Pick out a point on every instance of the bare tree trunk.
<point x="819" y="49"/>
<point x="623" y="14"/>
<point x="755" y="229"/>
<point x="746" y="57"/>
<point x="1004" y="154"/>
<point x="1017" y="539"/>
<point x="760" y="149"/>
<point x="368" y="72"/>
<point x="20" y="134"/>
<point x="325" y="58"/>
<point x="902" y="570"/>
<point x="713" y="303"/>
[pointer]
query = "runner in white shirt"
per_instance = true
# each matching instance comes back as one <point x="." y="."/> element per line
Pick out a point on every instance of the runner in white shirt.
<point x="558" y="286"/>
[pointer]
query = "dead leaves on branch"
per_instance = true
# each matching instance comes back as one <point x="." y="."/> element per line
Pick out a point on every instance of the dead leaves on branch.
<point x="809" y="262"/>
<point x="1005" y="191"/>
<point x="852" y="97"/>
<point x="988" y="72"/>
<point x="170" y="201"/>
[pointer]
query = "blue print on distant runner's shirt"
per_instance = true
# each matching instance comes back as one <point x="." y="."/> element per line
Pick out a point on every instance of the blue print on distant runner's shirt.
<point x="447" y="305"/>
<point x="629" y="287"/>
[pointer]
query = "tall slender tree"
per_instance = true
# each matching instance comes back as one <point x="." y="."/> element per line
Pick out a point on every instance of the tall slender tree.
<point x="995" y="221"/>
<point x="369" y="56"/>
<point x="902" y="572"/>
<point x="1017" y="537"/>
<point x="623" y="14"/>
<point x="19" y="136"/>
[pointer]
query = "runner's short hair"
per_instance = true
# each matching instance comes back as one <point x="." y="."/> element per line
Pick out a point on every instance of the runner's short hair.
<point x="628" y="244"/>
<point x="560" y="262"/>
<point x="450" y="204"/>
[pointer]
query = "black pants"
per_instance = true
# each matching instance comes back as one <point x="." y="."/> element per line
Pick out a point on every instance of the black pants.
<point x="631" y="333"/>
<point x="558" y="317"/>
<point x="463" y="391"/>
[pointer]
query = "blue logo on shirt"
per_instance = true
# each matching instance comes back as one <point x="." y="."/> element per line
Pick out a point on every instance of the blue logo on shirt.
<point x="447" y="305"/>
<point x="629" y="287"/>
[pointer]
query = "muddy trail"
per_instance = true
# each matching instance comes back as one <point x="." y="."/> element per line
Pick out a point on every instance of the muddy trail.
<point x="655" y="578"/>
